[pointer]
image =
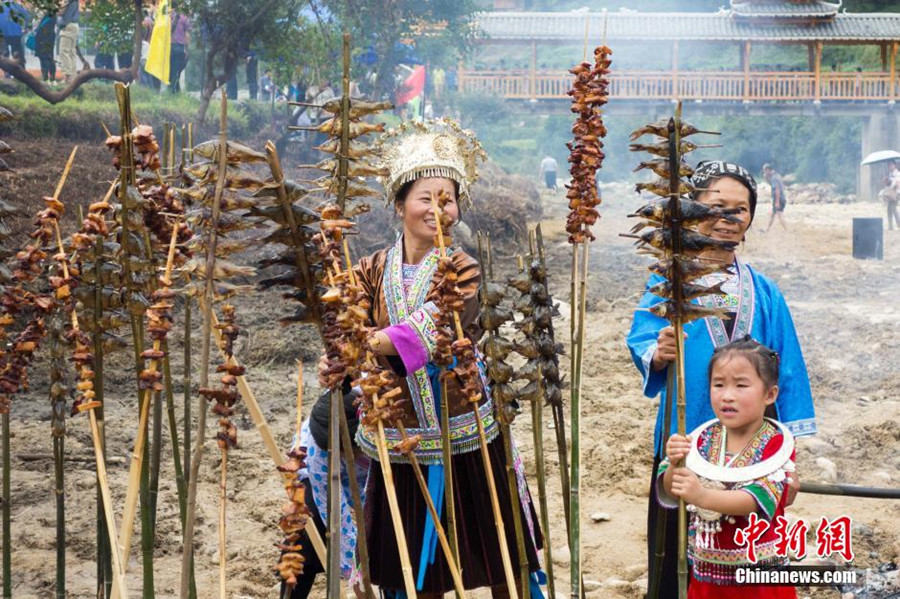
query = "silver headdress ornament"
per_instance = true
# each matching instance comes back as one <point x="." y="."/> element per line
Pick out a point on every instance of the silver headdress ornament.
<point x="433" y="148"/>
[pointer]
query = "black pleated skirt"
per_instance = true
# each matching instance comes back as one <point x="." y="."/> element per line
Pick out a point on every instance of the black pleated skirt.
<point x="476" y="531"/>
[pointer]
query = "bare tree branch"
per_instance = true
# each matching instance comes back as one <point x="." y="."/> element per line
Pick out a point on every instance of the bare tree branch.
<point x="56" y="96"/>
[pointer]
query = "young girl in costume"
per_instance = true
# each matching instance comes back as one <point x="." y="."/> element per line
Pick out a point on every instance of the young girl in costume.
<point x="734" y="466"/>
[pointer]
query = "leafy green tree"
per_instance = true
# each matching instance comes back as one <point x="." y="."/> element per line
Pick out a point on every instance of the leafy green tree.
<point x="304" y="48"/>
<point x="112" y="22"/>
<point x="226" y="31"/>
<point x="429" y="24"/>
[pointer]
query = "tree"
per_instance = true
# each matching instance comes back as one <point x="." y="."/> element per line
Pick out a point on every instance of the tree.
<point x="304" y="48"/>
<point x="384" y="24"/>
<point x="228" y="29"/>
<point x="12" y="68"/>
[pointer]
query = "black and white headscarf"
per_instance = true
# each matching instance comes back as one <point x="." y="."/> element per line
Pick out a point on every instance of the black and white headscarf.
<point x="708" y="171"/>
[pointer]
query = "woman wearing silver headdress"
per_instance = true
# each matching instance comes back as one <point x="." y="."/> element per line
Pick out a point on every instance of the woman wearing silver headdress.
<point x="424" y="160"/>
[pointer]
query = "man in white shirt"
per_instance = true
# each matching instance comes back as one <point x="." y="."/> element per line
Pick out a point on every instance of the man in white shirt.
<point x="548" y="171"/>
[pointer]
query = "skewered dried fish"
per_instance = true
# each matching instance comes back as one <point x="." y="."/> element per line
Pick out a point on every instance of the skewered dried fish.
<point x="355" y="149"/>
<point x="358" y="108"/>
<point x="689" y="291"/>
<point x="236" y="152"/>
<point x="662" y="148"/>
<point x="660" y="166"/>
<point x="690" y="269"/>
<point x="690" y="312"/>
<point x="691" y="213"/>
<point x="691" y="241"/>
<point x="354" y="168"/>
<point x="661" y="128"/>
<point x="660" y="187"/>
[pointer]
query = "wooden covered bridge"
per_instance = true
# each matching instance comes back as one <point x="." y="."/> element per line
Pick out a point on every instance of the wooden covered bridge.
<point x="746" y="26"/>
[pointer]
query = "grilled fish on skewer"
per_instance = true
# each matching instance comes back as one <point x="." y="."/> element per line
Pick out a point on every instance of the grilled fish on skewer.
<point x="500" y="372"/>
<point x="660" y="166"/>
<point x="692" y="213"/>
<point x="660" y="187"/>
<point x="302" y="214"/>
<point x="333" y="125"/>
<point x="355" y="149"/>
<point x="662" y="148"/>
<point x="661" y="129"/>
<point x="494" y="317"/>
<point x="690" y="312"/>
<point x="690" y="269"/>
<point x="497" y="348"/>
<point x="354" y="168"/>
<point x="520" y="282"/>
<point x="493" y="293"/>
<point x="524" y="305"/>
<point x="691" y="241"/>
<point x="689" y="291"/>
<point x="236" y="152"/>
<point x="358" y="108"/>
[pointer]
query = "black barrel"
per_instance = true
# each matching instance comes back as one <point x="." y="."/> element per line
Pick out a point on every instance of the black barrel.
<point x="868" y="238"/>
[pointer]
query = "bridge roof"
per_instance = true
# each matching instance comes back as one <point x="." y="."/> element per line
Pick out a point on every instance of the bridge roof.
<point x="568" y="27"/>
<point x="780" y="9"/>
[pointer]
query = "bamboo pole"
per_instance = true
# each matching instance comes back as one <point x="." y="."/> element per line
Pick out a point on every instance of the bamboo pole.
<point x="126" y="179"/>
<point x="577" y="581"/>
<point x="485" y="456"/>
<point x="557" y="411"/>
<point x="223" y="499"/>
<point x="187" y="157"/>
<point x="537" y="428"/>
<point x="350" y="461"/>
<point x="515" y="500"/>
<point x="265" y="432"/>
<point x="104" y="564"/>
<point x="678" y="300"/>
<point x="435" y="518"/>
<point x="59" y="452"/>
<point x="7" y="536"/>
<point x="447" y="455"/>
<point x="188" y="544"/>
<point x="660" y="549"/>
<point x="137" y="455"/>
<point x="95" y="430"/>
<point x="384" y="459"/>
<point x="849" y="490"/>
<point x="358" y="507"/>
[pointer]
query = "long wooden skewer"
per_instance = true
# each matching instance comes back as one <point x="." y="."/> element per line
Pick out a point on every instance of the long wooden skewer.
<point x="265" y="432"/>
<point x="188" y="543"/>
<point x="435" y="518"/>
<point x="89" y="407"/>
<point x="678" y="300"/>
<point x="134" y="473"/>
<point x="506" y="433"/>
<point x="537" y="427"/>
<point x="350" y="461"/>
<point x="385" y="460"/>
<point x="488" y="469"/>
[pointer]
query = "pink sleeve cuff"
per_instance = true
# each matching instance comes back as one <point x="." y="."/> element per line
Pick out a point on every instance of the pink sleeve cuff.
<point x="409" y="346"/>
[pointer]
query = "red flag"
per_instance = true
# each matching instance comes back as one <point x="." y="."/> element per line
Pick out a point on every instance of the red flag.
<point x="412" y="87"/>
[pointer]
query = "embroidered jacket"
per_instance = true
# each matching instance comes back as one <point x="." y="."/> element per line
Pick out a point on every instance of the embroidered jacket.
<point x="716" y="561"/>
<point x="407" y="319"/>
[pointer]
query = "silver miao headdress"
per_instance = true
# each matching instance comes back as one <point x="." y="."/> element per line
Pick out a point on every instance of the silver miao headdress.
<point x="433" y="148"/>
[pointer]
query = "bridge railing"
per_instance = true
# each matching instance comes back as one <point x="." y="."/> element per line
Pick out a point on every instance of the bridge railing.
<point x="690" y="85"/>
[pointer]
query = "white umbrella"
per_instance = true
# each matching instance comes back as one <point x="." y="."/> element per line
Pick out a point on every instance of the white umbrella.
<point x="880" y="156"/>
